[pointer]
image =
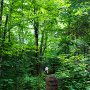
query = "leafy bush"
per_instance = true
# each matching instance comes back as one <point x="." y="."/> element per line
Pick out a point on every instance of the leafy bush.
<point x="72" y="73"/>
<point x="34" y="83"/>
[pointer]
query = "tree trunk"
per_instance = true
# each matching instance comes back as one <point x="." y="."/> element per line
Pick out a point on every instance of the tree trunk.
<point x="45" y="43"/>
<point x="36" y="44"/>
<point x="1" y="11"/>
<point x="41" y="51"/>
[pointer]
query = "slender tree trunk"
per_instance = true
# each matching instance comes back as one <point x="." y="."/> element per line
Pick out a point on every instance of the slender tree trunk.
<point x="36" y="30"/>
<point x="1" y="11"/>
<point x="36" y="24"/>
<point x="42" y="40"/>
<point x="41" y="51"/>
<point x="45" y="43"/>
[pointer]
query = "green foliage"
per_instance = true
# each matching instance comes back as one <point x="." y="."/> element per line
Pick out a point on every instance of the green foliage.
<point x="73" y="72"/>
<point x="39" y="33"/>
<point x="34" y="83"/>
<point x="6" y="84"/>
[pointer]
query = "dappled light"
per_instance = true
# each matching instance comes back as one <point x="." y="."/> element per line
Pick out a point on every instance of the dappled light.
<point x="44" y="44"/>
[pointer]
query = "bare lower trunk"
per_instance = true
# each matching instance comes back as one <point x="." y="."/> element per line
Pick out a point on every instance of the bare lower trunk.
<point x="1" y="11"/>
<point x="36" y="44"/>
<point x="41" y="51"/>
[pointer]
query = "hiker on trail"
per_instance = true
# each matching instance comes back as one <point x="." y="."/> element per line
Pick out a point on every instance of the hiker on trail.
<point x="46" y="70"/>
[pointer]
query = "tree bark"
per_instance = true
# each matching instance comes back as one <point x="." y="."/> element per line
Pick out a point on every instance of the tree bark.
<point x="1" y="11"/>
<point x="45" y="43"/>
<point x="36" y="24"/>
<point x="41" y="51"/>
